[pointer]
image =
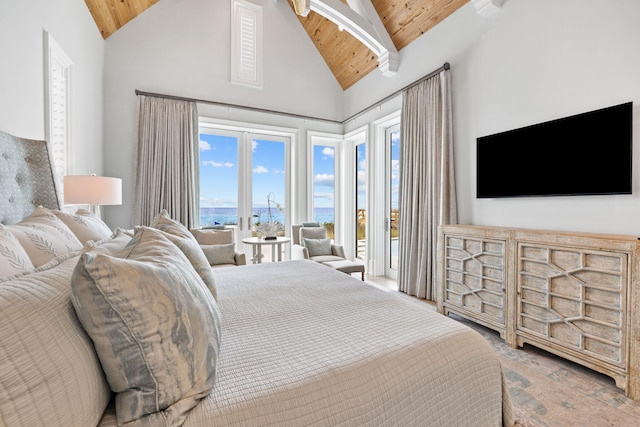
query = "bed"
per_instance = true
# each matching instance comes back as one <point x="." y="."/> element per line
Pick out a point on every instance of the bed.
<point x="299" y="344"/>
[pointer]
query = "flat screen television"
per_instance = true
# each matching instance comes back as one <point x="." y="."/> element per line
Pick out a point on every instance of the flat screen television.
<point x="585" y="154"/>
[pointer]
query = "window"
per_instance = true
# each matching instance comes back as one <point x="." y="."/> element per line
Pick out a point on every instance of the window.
<point x="324" y="178"/>
<point x="246" y="44"/>
<point x="58" y="108"/>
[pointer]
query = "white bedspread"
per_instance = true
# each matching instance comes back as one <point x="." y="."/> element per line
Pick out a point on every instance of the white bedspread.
<point x="311" y="345"/>
<point x="303" y="344"/>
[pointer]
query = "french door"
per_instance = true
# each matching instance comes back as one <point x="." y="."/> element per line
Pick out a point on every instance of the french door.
<point x="392" y="198"/>
<point x="244" y="180"/>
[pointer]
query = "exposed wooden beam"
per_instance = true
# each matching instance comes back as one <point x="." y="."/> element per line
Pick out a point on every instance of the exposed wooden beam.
<point x="362" y="28"/>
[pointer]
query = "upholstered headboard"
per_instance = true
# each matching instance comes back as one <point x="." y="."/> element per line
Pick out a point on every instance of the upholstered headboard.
<point x="26" y="178"/>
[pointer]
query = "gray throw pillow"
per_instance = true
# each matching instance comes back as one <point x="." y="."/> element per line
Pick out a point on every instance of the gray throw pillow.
<point x="220" y="254"/>
<point x="311" y="224"/>
<point x="155" y="327"/>
<point x="318" y="247"/>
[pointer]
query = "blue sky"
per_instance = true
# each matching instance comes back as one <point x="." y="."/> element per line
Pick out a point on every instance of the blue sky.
<point x="219" y="172"/>
<point x="395" y="169"/>
<point x="323" y="176"/>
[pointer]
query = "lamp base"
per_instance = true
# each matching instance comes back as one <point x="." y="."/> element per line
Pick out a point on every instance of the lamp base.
<point x="95" y="209"/>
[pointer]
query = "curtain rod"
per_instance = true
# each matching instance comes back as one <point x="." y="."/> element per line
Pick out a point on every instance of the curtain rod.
<point x="236" y="106"/>
<point x="446" y="66"/>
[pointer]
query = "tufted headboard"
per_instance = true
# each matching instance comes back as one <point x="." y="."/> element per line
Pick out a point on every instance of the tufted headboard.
<point x="26" y="178"/>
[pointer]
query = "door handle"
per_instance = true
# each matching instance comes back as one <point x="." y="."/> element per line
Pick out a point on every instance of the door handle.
<point x="240" y="225"/>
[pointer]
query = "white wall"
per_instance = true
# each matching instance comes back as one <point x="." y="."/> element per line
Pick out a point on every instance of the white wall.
<point x="182" y="48"/>
<point x="534" y="61"/>
<point x="22" y="97"/>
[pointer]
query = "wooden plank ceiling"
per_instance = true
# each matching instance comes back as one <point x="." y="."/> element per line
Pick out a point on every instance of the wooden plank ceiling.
<point x="347" y="58"/>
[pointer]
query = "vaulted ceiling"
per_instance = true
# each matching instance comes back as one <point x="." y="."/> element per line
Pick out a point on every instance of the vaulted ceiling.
<point x="347" y="57"/>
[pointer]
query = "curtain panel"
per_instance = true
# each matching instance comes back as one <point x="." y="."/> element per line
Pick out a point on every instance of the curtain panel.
<point x="427" y="182"/>
<point x="167" y="161"/>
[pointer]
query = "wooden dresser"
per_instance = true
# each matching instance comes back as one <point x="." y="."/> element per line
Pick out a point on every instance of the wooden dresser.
<point x="572" y="294"/>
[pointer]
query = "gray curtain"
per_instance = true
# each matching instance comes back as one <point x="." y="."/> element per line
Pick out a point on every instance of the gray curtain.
<point x="427" y="187"/>
<point x="167" y="161"/>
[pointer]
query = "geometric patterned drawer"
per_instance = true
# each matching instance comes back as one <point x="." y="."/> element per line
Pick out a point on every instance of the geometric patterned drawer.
<point x="475" y="276"/>
<point x="575" y="298"/>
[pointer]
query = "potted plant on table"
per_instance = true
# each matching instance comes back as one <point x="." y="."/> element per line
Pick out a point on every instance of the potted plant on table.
<point x="270" y="228"/>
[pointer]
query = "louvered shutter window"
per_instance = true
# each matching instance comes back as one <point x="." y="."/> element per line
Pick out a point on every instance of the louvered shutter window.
<point x="246" y="41"/>
<point x="58" y="109"/>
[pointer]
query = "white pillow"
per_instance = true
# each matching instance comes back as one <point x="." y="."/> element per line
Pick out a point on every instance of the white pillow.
<point x="44" y="237"/>
<point x="212" y="237"/>
<point x="110" y="245"/>
<point x="84" y="225"/>
<point x="14" y="260"/>
<point x="318" y="247"/>
<point x="155" y="326"/>
<point x="220" y="254"/>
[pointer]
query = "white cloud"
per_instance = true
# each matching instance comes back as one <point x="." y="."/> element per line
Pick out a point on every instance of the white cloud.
<point x="395" y="169"/>
<point x="217" y="202"/>
<point x="217" y="164"/>
<point x="204" y="146"/>
<point x="278" y="172"/>
<point x="328" y="151"/>
<point x="254" y="145"/>
<point x="260" y="169"/>
<point x="324" y="179"/>
<point x="323" y="196"/>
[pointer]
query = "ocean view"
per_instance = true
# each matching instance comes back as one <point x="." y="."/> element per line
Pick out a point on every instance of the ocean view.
<point x="229" y="216"/>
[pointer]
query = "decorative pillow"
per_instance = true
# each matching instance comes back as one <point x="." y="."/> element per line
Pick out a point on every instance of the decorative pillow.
<point x="44" y="237"/>
<point x="214" y="227"/>
<point x="212" y="237"/>
<point x="318" y="247"/>
<point x="311" y="224"/>
<point x="59" y="260"/>
<point x="181" y="237"/>
<point x="155" y="327"/>
<point x="85" y="225"/>
<point x="111" y="245"/>
<point x="49" y="371"/>
<point x="13" y="258"/>
<point x="312" y="233"/>
<point x="220" y="254"/>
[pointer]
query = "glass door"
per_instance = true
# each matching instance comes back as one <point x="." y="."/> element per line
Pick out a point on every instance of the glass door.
<point x="243" y="182"/>
<point x="219" y="179"/>
<point x="268" y="183"/>
<point x="361" y="200"/>
<point x="392" y="136"/>
<point x="324" y="186"/>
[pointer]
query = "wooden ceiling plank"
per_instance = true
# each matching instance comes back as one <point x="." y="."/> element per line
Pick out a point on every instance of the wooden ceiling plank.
<point x="102" y="17"/>
<point x="111" y="15"/>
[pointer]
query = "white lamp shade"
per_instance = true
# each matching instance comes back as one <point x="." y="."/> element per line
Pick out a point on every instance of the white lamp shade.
<point x="92" y="190"/>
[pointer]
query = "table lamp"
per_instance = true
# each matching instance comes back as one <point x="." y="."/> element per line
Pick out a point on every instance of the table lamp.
<point x="92" y="190"/>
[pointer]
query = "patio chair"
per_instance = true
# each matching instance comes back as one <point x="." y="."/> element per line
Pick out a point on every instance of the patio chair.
<point x="310" y="241"/>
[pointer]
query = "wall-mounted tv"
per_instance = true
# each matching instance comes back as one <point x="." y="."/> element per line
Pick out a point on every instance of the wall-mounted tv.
<point x="585" y="154"/>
